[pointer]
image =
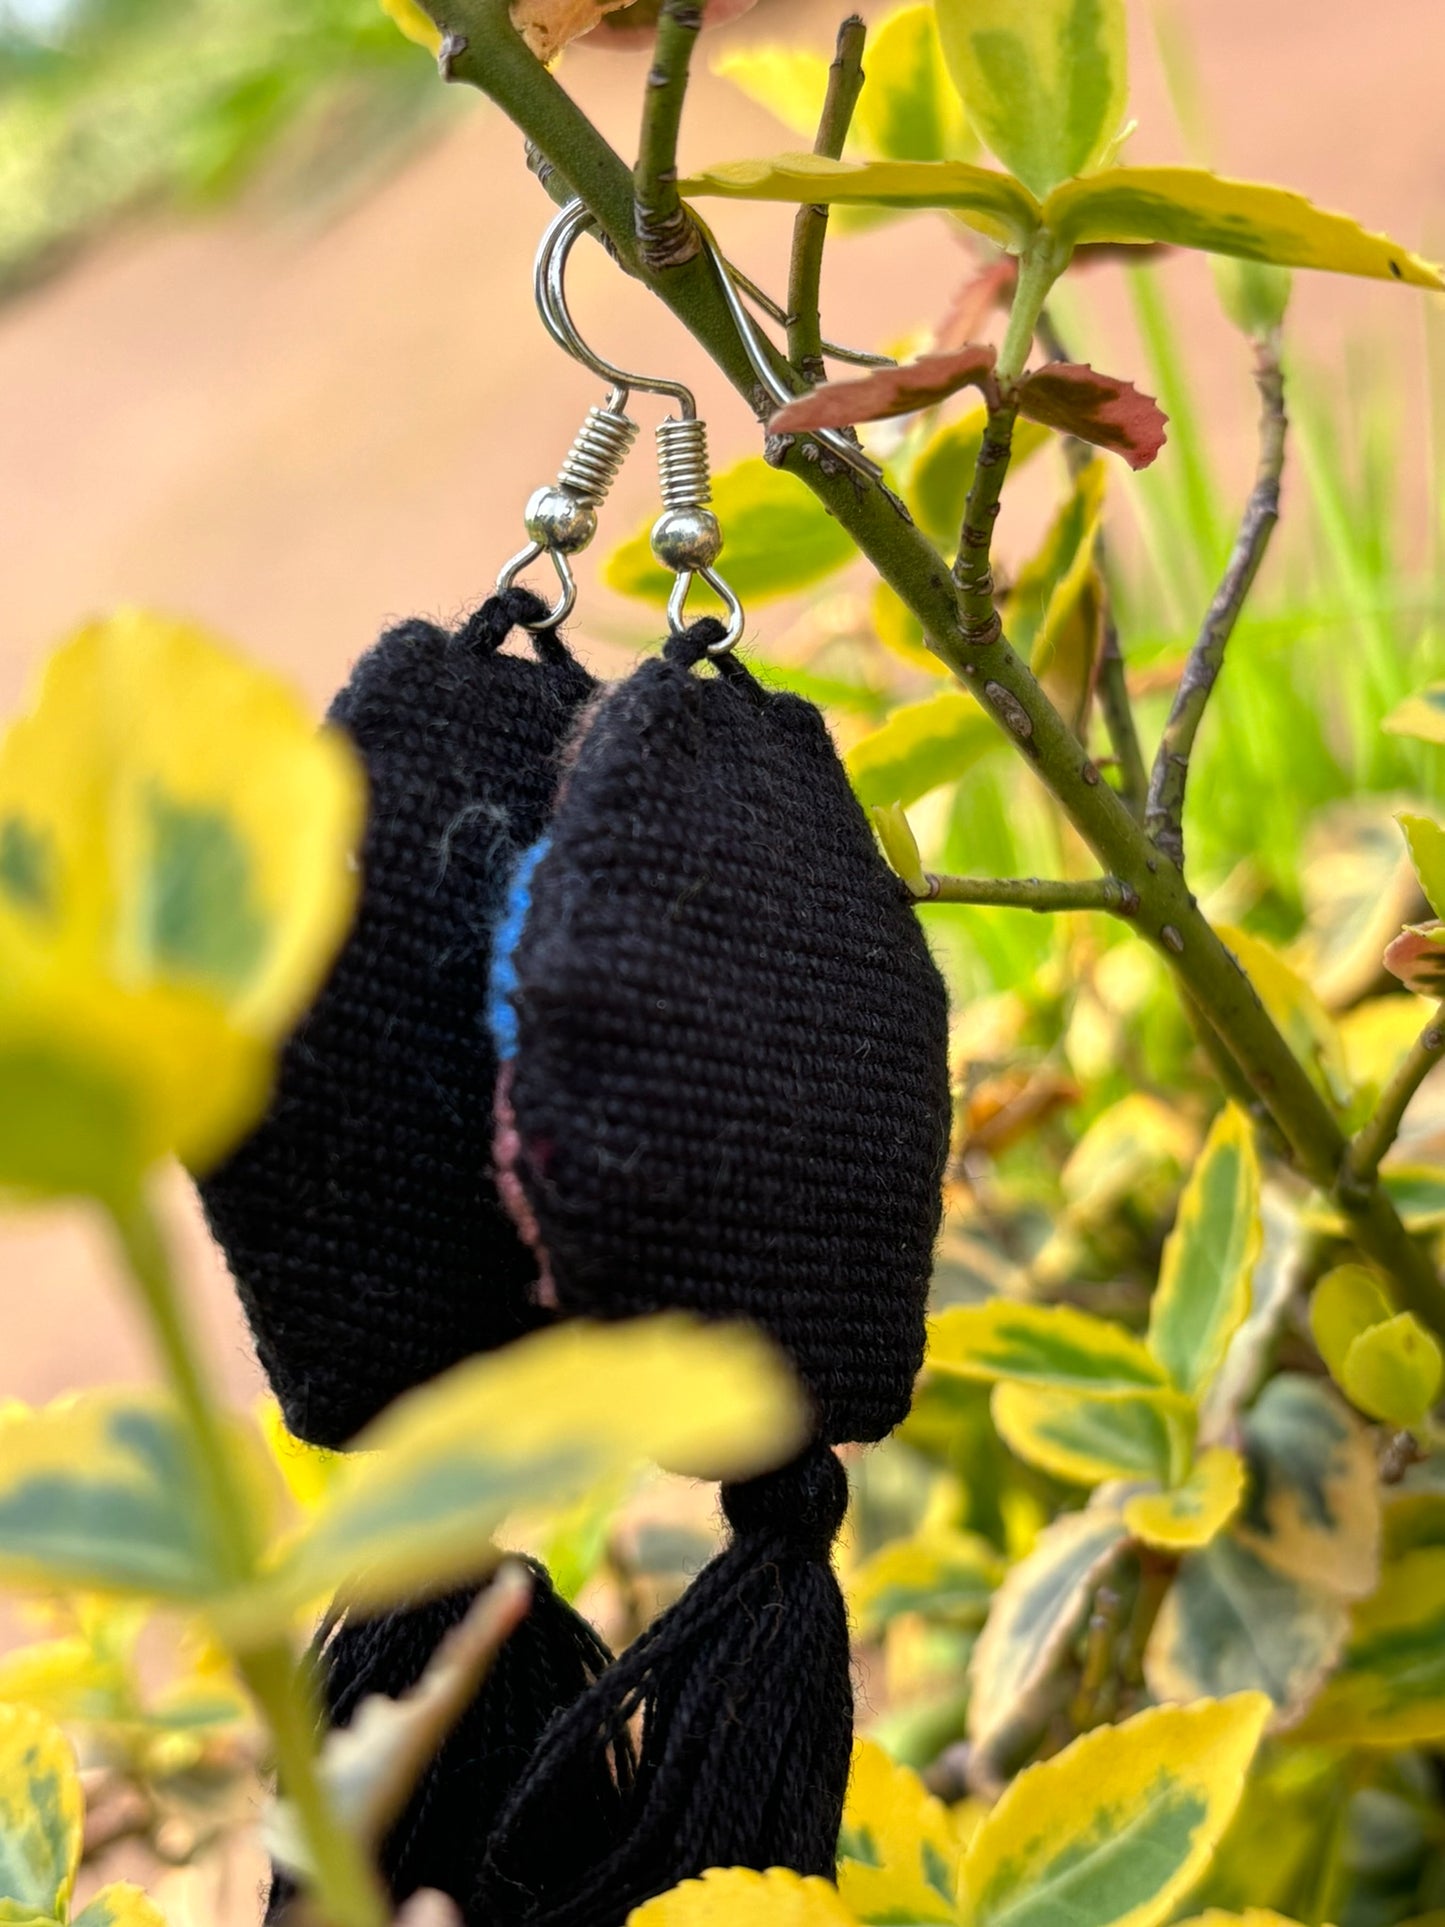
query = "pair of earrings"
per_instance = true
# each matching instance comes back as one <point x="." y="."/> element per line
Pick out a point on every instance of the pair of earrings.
<point x="663" y="1033"/>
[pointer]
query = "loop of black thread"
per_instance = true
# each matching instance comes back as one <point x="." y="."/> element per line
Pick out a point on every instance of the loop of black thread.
<point x="690" y="645"/>
<point x="487" y="628"/>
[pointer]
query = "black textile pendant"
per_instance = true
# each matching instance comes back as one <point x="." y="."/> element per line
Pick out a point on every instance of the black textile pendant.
<point x="360" y="1218"/>
<point x="724" y="1088"/>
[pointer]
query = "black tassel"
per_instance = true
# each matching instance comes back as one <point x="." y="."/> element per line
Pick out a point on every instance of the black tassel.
<point x="439" y="1839"/>
<point x="746" y="1701"/>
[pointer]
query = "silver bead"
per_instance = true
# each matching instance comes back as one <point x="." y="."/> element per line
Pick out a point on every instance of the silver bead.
<point x="558" y="521"/>
<point x="687" y="539"/>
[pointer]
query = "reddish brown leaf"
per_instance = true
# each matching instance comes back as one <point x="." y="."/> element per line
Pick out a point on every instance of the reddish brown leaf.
<point x="1417" y="958"/>
<point x="887" y="391"/>
<point x="992" y="287"/>
<point x="1097" y="408"/>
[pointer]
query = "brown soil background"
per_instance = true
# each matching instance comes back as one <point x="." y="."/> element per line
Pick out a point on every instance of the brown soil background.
<point x="295" y="430"/>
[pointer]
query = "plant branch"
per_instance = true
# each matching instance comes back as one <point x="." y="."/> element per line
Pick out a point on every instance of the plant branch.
<point x="973" y="569"/>
<point x="665" y="235"/>
<point x="1378" y="1133"/>
<point x="1164" y="813"/>
<point x="810" y="229"/>
<point x="1029" y="893"/>
<point x="963" y="630"/>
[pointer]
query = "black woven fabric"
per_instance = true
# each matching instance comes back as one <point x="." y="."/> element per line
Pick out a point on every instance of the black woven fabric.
<point x="360" y="1218"/>
<point x="730" y="1089"/>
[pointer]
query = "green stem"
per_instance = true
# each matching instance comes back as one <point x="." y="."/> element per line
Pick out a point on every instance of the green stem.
<point x="347" y="1890"/>
<point x="665" y="235"/>
<point x="1039" y="268"/>
<point x="1378" y="1133"/>
<point x="148" y="1262"/>
<point x="810" y="228"/>
<point x="482" y="47"/>
<point x="346" y="1887"/>
<point x="1030" y="893"/>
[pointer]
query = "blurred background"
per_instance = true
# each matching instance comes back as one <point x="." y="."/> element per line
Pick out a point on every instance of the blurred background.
<point x="268" y="358"/>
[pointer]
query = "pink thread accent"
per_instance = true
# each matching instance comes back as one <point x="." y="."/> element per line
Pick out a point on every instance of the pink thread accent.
<point x="506" y="1155"/>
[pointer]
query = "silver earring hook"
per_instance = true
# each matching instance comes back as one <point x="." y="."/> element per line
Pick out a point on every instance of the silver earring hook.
<point x="686" y="538"/>
<point x="755" y="344"/>
<point x="549" y="285"/>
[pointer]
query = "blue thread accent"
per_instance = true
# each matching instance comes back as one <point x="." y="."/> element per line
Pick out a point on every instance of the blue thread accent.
<point x="502" y="989"/>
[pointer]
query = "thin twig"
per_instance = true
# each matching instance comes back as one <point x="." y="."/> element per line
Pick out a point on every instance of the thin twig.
<point x="1111" y="688"/>
<point x="973" y="570"/>
<point x="1379" y="1131"/>
<point x="665" y="235"/>
<point x="810" y="229"/>
<point x="1164" y="814"/>
<point x="1029" y="893"/>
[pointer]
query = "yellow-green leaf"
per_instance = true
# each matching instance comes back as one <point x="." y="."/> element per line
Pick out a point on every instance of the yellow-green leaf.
<point x="1055" y="1345"/>
<point x="1314" y="1503"/>
<point x="1393" y="1370"/>
<point x="1086" y="1440"/>
<point x="1248" y="1917"/>
<point x="920" y="747"/>
<point x="1310" y="1031"/>
<point x="900" y="845"/>
<point x="941" y="473"/>
<point x="1131" y="1150"/>
<point x="102" y="1491"/>
<point x="1230" y="1623"/>
<point x="1346" y="1302"/>
<point x="1115" y="1830"/>
<point x="779" y="539"/>
<point x="41" y="1815"/>
<point x="1413" y="1520"/>
<point x="994" y="204"/>
<point x="738" y="1897"/>
<point x="790" y="83"/>
<point x="1421" y="715"/>
<point x="1045" y="82"/>
<point x="415" y="24"/>
<point x="1190" y="1515"/>
<point x="1203" y="1293"/>
<point x="1390" y="1690"/>
<point x="1033" y="1619"/>
<point x="940" y="1573"/>
<point x="1065" y="554"/>
<point x="1426" y="841"/>
<point x="175" y="875"/>
<point x="1189" y="207"/>
<point x="120" y="1905"/>
<point x="539" y="1423"/>
<point x="898" y="1852"/>
<point x="908" y="110"/>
